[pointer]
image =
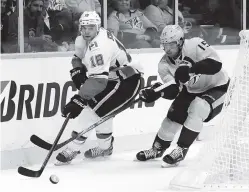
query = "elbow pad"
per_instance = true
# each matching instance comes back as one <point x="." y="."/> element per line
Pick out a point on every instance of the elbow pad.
<point x="207" y="66"/>
<point x="170" y="92"/>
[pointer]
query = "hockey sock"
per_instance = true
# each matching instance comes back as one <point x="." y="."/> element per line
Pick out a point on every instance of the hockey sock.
<point x="160" y="144"/>
<point x="187" y="137"/>
<point x="104" y="140"/>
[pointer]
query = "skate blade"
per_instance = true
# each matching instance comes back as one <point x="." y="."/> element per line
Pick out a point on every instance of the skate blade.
<point x="59" y="163"/>
<point x="149" y="160"/>
<point x="166" y="165"/>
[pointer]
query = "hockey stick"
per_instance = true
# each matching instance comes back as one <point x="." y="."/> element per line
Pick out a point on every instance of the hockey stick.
<point x="31" y="173"/>
<point x="45" y="145"/>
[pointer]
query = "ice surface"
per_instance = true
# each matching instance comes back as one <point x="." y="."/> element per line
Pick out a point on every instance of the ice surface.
<point x="120" y="172"/>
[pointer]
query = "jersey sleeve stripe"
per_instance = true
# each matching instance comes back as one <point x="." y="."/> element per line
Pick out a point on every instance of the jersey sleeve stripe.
<point x="100" y="75"/>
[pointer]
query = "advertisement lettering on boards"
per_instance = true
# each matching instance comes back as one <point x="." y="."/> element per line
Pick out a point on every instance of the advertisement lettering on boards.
<point x="43" y="99"/>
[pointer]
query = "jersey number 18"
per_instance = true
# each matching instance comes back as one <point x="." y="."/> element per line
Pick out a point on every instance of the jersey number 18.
<point x="97" y="60"/>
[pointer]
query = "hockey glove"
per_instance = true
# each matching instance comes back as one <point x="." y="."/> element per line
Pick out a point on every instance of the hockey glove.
<point x="74" y="107"/>
<point x="78" y="75"/>
<point x="182" y="74"/>
<point x="149" y="95"/>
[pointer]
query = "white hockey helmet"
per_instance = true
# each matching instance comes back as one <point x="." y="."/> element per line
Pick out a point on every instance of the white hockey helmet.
<point x="90" y="18"/>
<point x="172" y="33"/>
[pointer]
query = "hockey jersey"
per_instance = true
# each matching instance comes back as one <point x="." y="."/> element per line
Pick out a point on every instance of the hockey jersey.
<point x="103" y="56"/>
<point x="135" y="23"/>
<point x="195" y="49"/>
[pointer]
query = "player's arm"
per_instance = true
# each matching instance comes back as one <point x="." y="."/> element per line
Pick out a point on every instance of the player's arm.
<point x="80" y="47"/>
<point x="209" y="62"/>
<point x="98" y="76"/>
<point x="172" y="90"/>
<point x="206" y="66"/>
<point x="149" y="95"/>
<point x="78" y="73"/>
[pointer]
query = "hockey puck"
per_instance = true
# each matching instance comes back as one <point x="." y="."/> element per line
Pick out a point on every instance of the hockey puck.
<point x="54" y="179"/>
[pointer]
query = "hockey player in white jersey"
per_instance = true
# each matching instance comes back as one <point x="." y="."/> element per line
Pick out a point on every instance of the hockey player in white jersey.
<point x="196" y="100"/>
<point x="107" y="82"/>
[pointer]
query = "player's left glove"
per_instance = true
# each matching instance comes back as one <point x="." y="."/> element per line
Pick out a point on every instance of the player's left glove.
<point x="182" y="73"/>
<point x="78" y="76"/>
<point x="74" y="107"/>
<point x="149" y="95"/>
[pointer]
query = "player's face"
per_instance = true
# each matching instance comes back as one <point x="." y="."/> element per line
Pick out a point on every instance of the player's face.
<point x="88" y="32"/>
<point x="171" y="49"/>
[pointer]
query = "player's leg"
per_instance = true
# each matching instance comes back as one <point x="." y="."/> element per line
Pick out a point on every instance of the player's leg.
<point x="115" y="100"/>
<point x="176" y="116"/>
<point x="84" y="120"/>
<point x="104" y="141"/>
<point x="198" y="111"/>
<point x="161" y="142"/>
<point x="202" y="109"/>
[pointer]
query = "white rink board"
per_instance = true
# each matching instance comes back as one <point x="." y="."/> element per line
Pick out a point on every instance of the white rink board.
<point x="39" y="86"/>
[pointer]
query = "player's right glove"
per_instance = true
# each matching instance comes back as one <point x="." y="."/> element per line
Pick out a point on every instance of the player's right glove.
<point x="74" y="107"/>
<point x="149" y="95"/>
<point x="78" y="76"/>
<point x="182" y="73"/>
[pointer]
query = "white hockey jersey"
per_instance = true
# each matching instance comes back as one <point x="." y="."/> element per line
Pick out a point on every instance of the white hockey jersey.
<point x="196" y="49"/>
<point x="103" y="55"/>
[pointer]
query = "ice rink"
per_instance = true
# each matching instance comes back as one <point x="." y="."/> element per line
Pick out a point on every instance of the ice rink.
<point x="120" y="172"/>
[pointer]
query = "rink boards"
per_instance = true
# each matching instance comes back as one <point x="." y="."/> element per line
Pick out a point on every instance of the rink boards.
<point x="34" y="89"/>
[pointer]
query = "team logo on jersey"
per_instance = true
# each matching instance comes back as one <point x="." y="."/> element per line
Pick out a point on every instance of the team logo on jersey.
<point x="135" y="23"/>
<point x="93" y="45"/>
<point x="56" y="5"/>
<point x="194" y="79"/>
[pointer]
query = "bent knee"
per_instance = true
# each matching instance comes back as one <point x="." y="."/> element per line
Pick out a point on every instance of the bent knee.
<point x="168" y="129"/>
<point x="200" y="108"/>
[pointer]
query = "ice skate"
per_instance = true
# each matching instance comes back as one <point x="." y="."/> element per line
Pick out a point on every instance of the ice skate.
<point x="66" y="156"/>
<point x="149" y="154"/>
<point x="98" y="152"/>
<point x="175" y="157"/>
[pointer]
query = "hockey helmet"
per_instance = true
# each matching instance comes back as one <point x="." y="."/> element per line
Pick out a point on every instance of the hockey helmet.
<point x="90" y="18"/>
<point x="172" y="33"/>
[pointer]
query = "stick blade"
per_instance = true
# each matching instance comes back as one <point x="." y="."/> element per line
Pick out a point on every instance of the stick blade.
<point x="27" y="172"/>
<point x="40" y="143"/>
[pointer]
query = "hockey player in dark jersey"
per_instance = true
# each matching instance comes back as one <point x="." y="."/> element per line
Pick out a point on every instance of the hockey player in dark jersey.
<point x="196" y="100"/>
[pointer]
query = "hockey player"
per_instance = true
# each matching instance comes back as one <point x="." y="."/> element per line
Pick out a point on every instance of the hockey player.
<point x="107" y="82"/>
<point x="196" y="100"/>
